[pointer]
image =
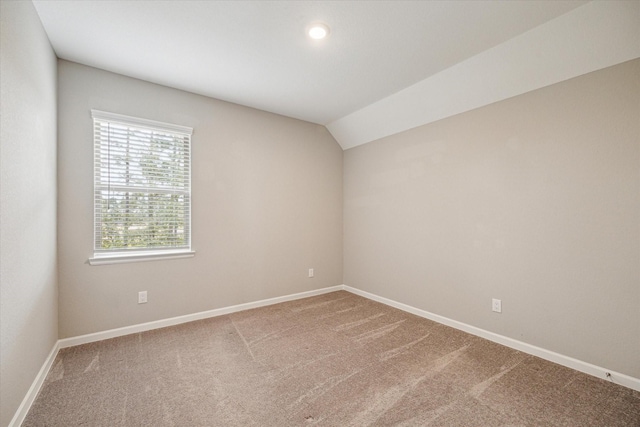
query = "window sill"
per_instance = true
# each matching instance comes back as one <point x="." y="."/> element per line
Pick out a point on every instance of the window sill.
<point x="104" y="259"/>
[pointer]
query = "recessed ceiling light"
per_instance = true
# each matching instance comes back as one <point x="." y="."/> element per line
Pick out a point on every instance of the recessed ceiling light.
<point x="318" y="30"/>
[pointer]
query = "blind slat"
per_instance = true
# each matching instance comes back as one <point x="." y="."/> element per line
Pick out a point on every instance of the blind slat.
<point x="142" y="184"/>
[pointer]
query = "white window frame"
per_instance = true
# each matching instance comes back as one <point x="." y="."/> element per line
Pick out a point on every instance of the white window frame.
<point x="101" y="256"/>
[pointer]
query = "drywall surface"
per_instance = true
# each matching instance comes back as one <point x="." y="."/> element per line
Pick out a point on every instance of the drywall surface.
<point x="534" y="200"/>
<point x="266" y="206"/>
<point x="594" y="36"/>
<point x="28" y="275"/>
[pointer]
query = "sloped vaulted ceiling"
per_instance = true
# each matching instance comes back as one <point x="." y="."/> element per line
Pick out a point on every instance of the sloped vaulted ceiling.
<point x="387" y="66"/>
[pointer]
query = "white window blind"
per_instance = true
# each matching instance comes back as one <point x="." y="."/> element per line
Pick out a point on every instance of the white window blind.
<point x="142" y="186"/>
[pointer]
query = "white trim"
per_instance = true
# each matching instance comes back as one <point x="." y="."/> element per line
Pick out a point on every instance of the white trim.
<point x="33" y="391"/>
<point x="578" y="365"/>
<point x="31" y="395"/>
<point x="569" y="362"/>
<point x="120" y="258"/>
<point x="142" y="327"/>
<point x="137" y="121"/>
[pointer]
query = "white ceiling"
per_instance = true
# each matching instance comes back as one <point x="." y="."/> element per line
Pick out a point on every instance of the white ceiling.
<point x="256" y="53"/>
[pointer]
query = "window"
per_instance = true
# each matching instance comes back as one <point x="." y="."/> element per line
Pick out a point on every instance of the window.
<point x="142" y="189"/>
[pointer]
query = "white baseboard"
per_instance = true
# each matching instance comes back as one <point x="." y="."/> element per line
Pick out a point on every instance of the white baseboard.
<point x="569" y="362"/>
<point x="32" y="393"/>
<point x="578" y="365"/>
<point x="112" y="333"/>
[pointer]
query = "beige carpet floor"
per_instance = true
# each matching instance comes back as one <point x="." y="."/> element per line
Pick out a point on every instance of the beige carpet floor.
<point x="332" y="360"/>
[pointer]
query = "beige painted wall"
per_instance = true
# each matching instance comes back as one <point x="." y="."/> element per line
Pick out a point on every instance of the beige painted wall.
<point x="267" y="206"/>
<point x="534" y="200"/>
<point x="28" y="275"/>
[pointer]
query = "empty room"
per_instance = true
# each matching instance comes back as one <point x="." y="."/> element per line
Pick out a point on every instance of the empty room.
<point x="332" y="213"/>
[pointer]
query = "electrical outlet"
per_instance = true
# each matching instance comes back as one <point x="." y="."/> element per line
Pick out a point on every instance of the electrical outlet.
<point x="496" y="305"/>
<point x="311" y="272"/>
<point x="142" y="297"/>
